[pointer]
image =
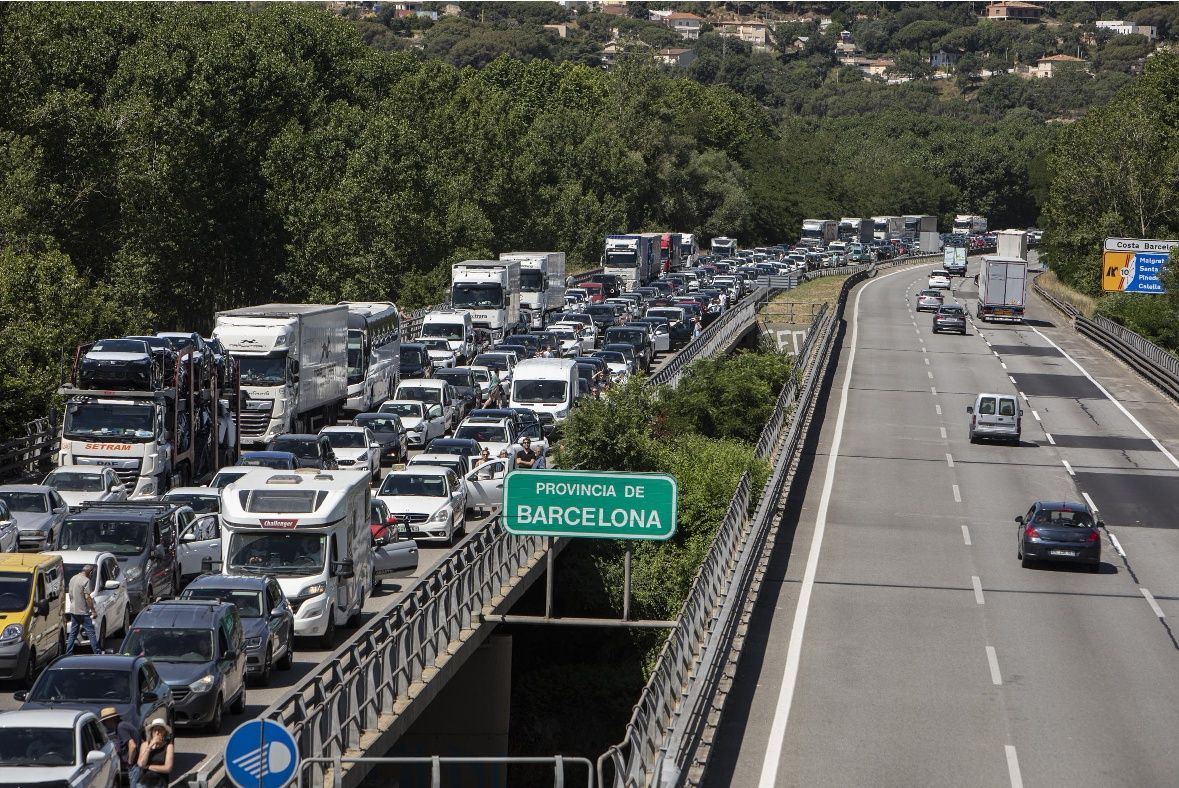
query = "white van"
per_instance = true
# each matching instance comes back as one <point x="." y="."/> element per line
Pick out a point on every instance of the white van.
<point x="994" y="417"/>
<point x="433" y="392"/>
<point x="455" y="327"/>
<point x="545" y="385"/>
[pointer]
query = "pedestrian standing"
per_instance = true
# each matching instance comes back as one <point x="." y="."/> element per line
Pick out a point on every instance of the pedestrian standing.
<point x="570" y="281"/>
<point x="696" y="331"/>
<point x="81" y="610"/>
<point x="126" y="737"/>
<point x="156" y="755"/>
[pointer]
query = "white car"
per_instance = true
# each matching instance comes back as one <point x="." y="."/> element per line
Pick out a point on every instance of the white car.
<point x="356" y="448"/>
<point x="616" y="363"/>
<point x="67" y="747"/>
<point x="106" y="589"/>
<point x="492" y="433"/>
<point x="203" y="500"/>
<point x="939" y="279"/>
<point x="423" y="422"/>
<point x="430" y="500"/>
<point x="440" y="352"/>
<point x="198" y="550"/>
<point x="570" y="341"/>
<point x="79" y="484"/>
<point x="9" y="532"/>
<point x="585" y="336"/>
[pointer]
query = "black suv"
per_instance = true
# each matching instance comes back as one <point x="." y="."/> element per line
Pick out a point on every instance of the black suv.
<point x="268" y="625"/>
<point x="312" y="451"/>
<point x="199" y="650"/>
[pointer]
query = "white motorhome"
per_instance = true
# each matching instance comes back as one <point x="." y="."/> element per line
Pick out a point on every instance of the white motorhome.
<point x="723" y="246"/>
<point x="294" y="366"/>
<point x="489" y="291"/>
<point x="545" y="385"/>
<point x="457" y="328"/>
<point x="542" y="284"/>
<point x="309" y="529"/>
<point x="689" y="250"/>
<point x="374" y="353"/>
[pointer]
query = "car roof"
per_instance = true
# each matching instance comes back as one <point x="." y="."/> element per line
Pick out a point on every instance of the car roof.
<point x="191" y="491"/>
<point x="25" y="560"/>
<point x="105" y="661"/>
<point x="1065" y="506"/>
<point x="32" y="488"/>
<point x="342" y="428"/>
<point x="249" y="582"/>
<point x="268" y="454"/>
<point x="178" y="613"/>
<point x="424" y="468"/>
<point x="296" y="436"/>
<point x="77" y="557"/>
<point x="42" y="718"/>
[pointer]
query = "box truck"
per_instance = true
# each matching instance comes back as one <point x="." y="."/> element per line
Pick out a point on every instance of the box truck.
<point x="631" y="257"/>
<point x="1002" y="286"/>
<point x="488" y="290"/>
<point x="885" y="228"/>
<point x="818" y="232"/>
<point x="1011" y="243"/>
<point x="542" y="284"/>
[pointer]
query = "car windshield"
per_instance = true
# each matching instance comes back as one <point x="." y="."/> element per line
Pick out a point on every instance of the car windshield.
<point x="14" y="591"/>
<point x="75" y="685"/>
<point x="403" y="409"/>
<point x="435" y="344"/>
<point x="546" y="391"/>
<point x="37" y="747"/>
<point x="303" y="448"/>
<point x="483" y="433"/>
<point x="108" y="420"/>
<point x="932" y="293"/>
<point x="347" y="439"/>
<point x="600" y="309"/>
<point x="19" y="501"/>
<point x="611" y="356"/>
<point x="413" y="357"/>
<point x="414" y="484"/>
<point x="169" y="645"/>
<point x="263" y="370"/>
<point x="956" y="311"/>
<point x="120" y="346"/>
<point x="252" y="460"/>
<point x="455" y="465"/>
<point x="249" y="603"/>
<point x="481" y="375"/>
<point x="104" y="536"/>
<point x="421" y="393"/>
<point x="288" y="553"/>
<point x="73" y="481"/>
<point x="1063" y="517"/>
<point x="452" y="331"/>
<point x="380" y="424"/>
<point x="225" y="478"/>
<point x="498" y="363"/>
<point x="634" y="337"/>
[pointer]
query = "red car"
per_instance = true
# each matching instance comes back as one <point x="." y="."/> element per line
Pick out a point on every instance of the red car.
<point x="597" y="293"/>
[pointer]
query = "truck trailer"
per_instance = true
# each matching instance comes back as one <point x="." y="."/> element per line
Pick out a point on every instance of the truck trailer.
<point x="818" y="232"/>
<point x="542" y="284"/>
<point x="489" y="290"/>
<point x="855" y="230"/>
<point x="1002" y="287"/>
<point x="885" y="228"/>
<point x="294" y="366"/>
<point x="723" y="246"/>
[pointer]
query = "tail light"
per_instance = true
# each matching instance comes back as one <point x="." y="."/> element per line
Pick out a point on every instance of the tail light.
<point x="1094" y="536"/>
<point x="1031" y="533"/>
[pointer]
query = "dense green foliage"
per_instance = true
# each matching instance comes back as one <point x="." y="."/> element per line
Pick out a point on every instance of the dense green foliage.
<point x="1116" y="173"/>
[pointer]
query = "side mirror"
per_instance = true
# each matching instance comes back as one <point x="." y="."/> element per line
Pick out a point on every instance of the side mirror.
<point x="95" y="757"/>
<point x="41" y="608"/>
<point x="1019" y="519"/>
<point x="345" y="569"/>
<point x="112" y="585"/>
<point x="20" y="695"/>
<point x="158" y="552"/>
<point x="970" y="409"/>
<point x="229" y="655"/>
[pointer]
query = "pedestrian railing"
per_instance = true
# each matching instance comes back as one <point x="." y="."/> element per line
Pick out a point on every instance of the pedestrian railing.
<point x="32" y="455"/>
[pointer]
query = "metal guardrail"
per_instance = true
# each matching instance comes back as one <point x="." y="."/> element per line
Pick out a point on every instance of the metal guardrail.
<point x="719" y="336"/>
<point x="30" y="456"/>
<point x="436" y="762"/>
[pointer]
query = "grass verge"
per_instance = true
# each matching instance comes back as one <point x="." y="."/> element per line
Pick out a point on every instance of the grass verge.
<point x="817" y="291"/>
<point x="1085" y="304"/>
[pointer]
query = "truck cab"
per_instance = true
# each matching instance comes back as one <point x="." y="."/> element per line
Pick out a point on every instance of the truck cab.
<point x="456" y="327"/>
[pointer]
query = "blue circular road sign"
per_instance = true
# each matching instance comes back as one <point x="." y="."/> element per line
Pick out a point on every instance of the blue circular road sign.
<point x="261" y="754"/>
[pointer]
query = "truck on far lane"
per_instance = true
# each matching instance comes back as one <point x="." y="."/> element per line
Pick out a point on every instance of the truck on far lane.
<point x="1002" y="289"/>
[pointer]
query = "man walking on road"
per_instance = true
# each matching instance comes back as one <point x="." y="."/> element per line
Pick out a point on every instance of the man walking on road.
<point x="81" y="610"/>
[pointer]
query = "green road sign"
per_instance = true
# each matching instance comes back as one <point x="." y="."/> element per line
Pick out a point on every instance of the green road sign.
<point x="590" y="504"/>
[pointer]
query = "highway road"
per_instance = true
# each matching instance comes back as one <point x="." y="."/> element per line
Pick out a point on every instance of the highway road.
<point x="898" y="641"/>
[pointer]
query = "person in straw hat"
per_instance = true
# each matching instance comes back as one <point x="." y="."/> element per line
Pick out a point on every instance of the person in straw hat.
<point x="155" y="755"/>
<point x="126" y="738"/>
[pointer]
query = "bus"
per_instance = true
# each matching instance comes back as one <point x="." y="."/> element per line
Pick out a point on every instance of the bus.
<point x="374" y="353"/>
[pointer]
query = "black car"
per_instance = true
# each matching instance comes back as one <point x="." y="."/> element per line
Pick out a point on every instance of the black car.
<point x="603" y="315"/>
<point x="175" y="375"/>
<point x="312" y="451"/>
<point x="389" y="432"/>
<point x="199" y="650"/>
<point x="522" y="351"/>
<point x="202" y="355"/>
<point x="268" y="625"/>
<point x="1059" y="531"/>
<point x="611" y="284"/>
<point x="415" y="361"/>
<point x="466" y="388"/>
<point x="950" y="317"/>
<point x="92" y="682"/>
<point x="463" y="446"/>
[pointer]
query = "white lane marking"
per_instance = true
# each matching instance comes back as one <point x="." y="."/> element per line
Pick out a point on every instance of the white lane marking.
<point x="926" y="360"/>
<point x="1069" y="468"/>
<point x="1003" y="364"/>
<point x="939" y="409"/>
<point x="978" y="595"/>
<point x="1117" y="545"/>
<point x="993" y="663"/>
<point x="1089" y="501"/>
<point x="1013" y="767"/>
<point x="922" y="341"/>
<point x="1158" y="611"/>
<point x="1111" y="398"/>
<point x="1025" y="397"/>
<point x="916" y="330"/>
<point x="943" y="429"/>
<point x="923" y="350"/>
<point x="1011" y="379"/>
<point x="949" y="459"/>
<point x="930" y="374"/>
<point x="996" y="352"/>
<point x="934" y="390"/>
<point x="769" y="766"/>
<point x="1051" y="440"/>
<point x="957" y="494"/>
<point x="1036" y="415"/>
<point x="966" y="536"/>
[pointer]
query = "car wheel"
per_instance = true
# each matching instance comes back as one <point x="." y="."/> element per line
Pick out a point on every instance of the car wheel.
<point x="1094" y="569"/>
<point x="214" y="723"/>
<point x="26" y="679"/>
<point x="239" y="704"/>
<point x="328" y="638"/>
<point x="288" y="658"/>
<point x="267" y="664"/>
<point x="97" y="647"/>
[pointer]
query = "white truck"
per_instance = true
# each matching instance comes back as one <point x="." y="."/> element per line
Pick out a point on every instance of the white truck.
<point x="954" y="260"/>
<point x="689" y="250"/>
<point x="916" y="224"/>
<point x="968" y="224"/>
<point x="885" y="228"/>
<point x="1012" y="243"/>
<point x="818" y="232"/>
<point x="489" y="291"/>
<point x="294" y="366"/>
<point x="1002" y="286"/>
<point x="855" y="229"/>
<point x="724" y="246"/>
<point x="542" y="284"/>
<point x="633" y="258"/>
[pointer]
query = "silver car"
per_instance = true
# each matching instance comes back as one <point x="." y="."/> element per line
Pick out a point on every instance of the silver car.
<point x="56" y="747"/>
<point x="79" y="484"/>
<point x="930" y="300"/>
<point x="39" y="512"/>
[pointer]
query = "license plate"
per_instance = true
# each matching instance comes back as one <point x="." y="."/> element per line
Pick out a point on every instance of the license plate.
<point x="1069" y="553"/>
<point x="1002" y="311"/>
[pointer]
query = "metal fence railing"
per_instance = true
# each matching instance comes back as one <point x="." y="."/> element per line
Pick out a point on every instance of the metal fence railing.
<point x="718" y="337"/>
<point x="30" y="456"/>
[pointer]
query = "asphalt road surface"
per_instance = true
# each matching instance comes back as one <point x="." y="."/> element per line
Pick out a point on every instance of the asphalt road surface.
<point x="898" y="641"/>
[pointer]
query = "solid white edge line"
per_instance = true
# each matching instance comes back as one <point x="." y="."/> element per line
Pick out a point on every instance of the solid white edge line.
<point x="966" y="536"/>
<point x="978" y="594"/>
<point x="1117" y="545"/>
<point x="1011" y="379"/>
<point x="1158" y="611"/>
<point x="773" y="755"/>
<point x="1003" y="364"/>
<point x="1025" y="397"/>
<point x="1089" y="501"/>
<point x="993" y="663"/>
<point x="1013" y="767"/>
<point x="1069" y="468"/>
<point x="957" y="494"/>
<point x="1111" y="398"/>
<point x="949" y="459"/>
<point x="1051" y="440"/>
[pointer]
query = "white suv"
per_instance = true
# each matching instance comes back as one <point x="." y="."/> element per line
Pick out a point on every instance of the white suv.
<point x="939" y="279"/>
<point x="429" y="500"/>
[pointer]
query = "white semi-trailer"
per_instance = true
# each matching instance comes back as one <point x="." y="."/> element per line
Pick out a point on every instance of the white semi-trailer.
<point x="542" y="284"/>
